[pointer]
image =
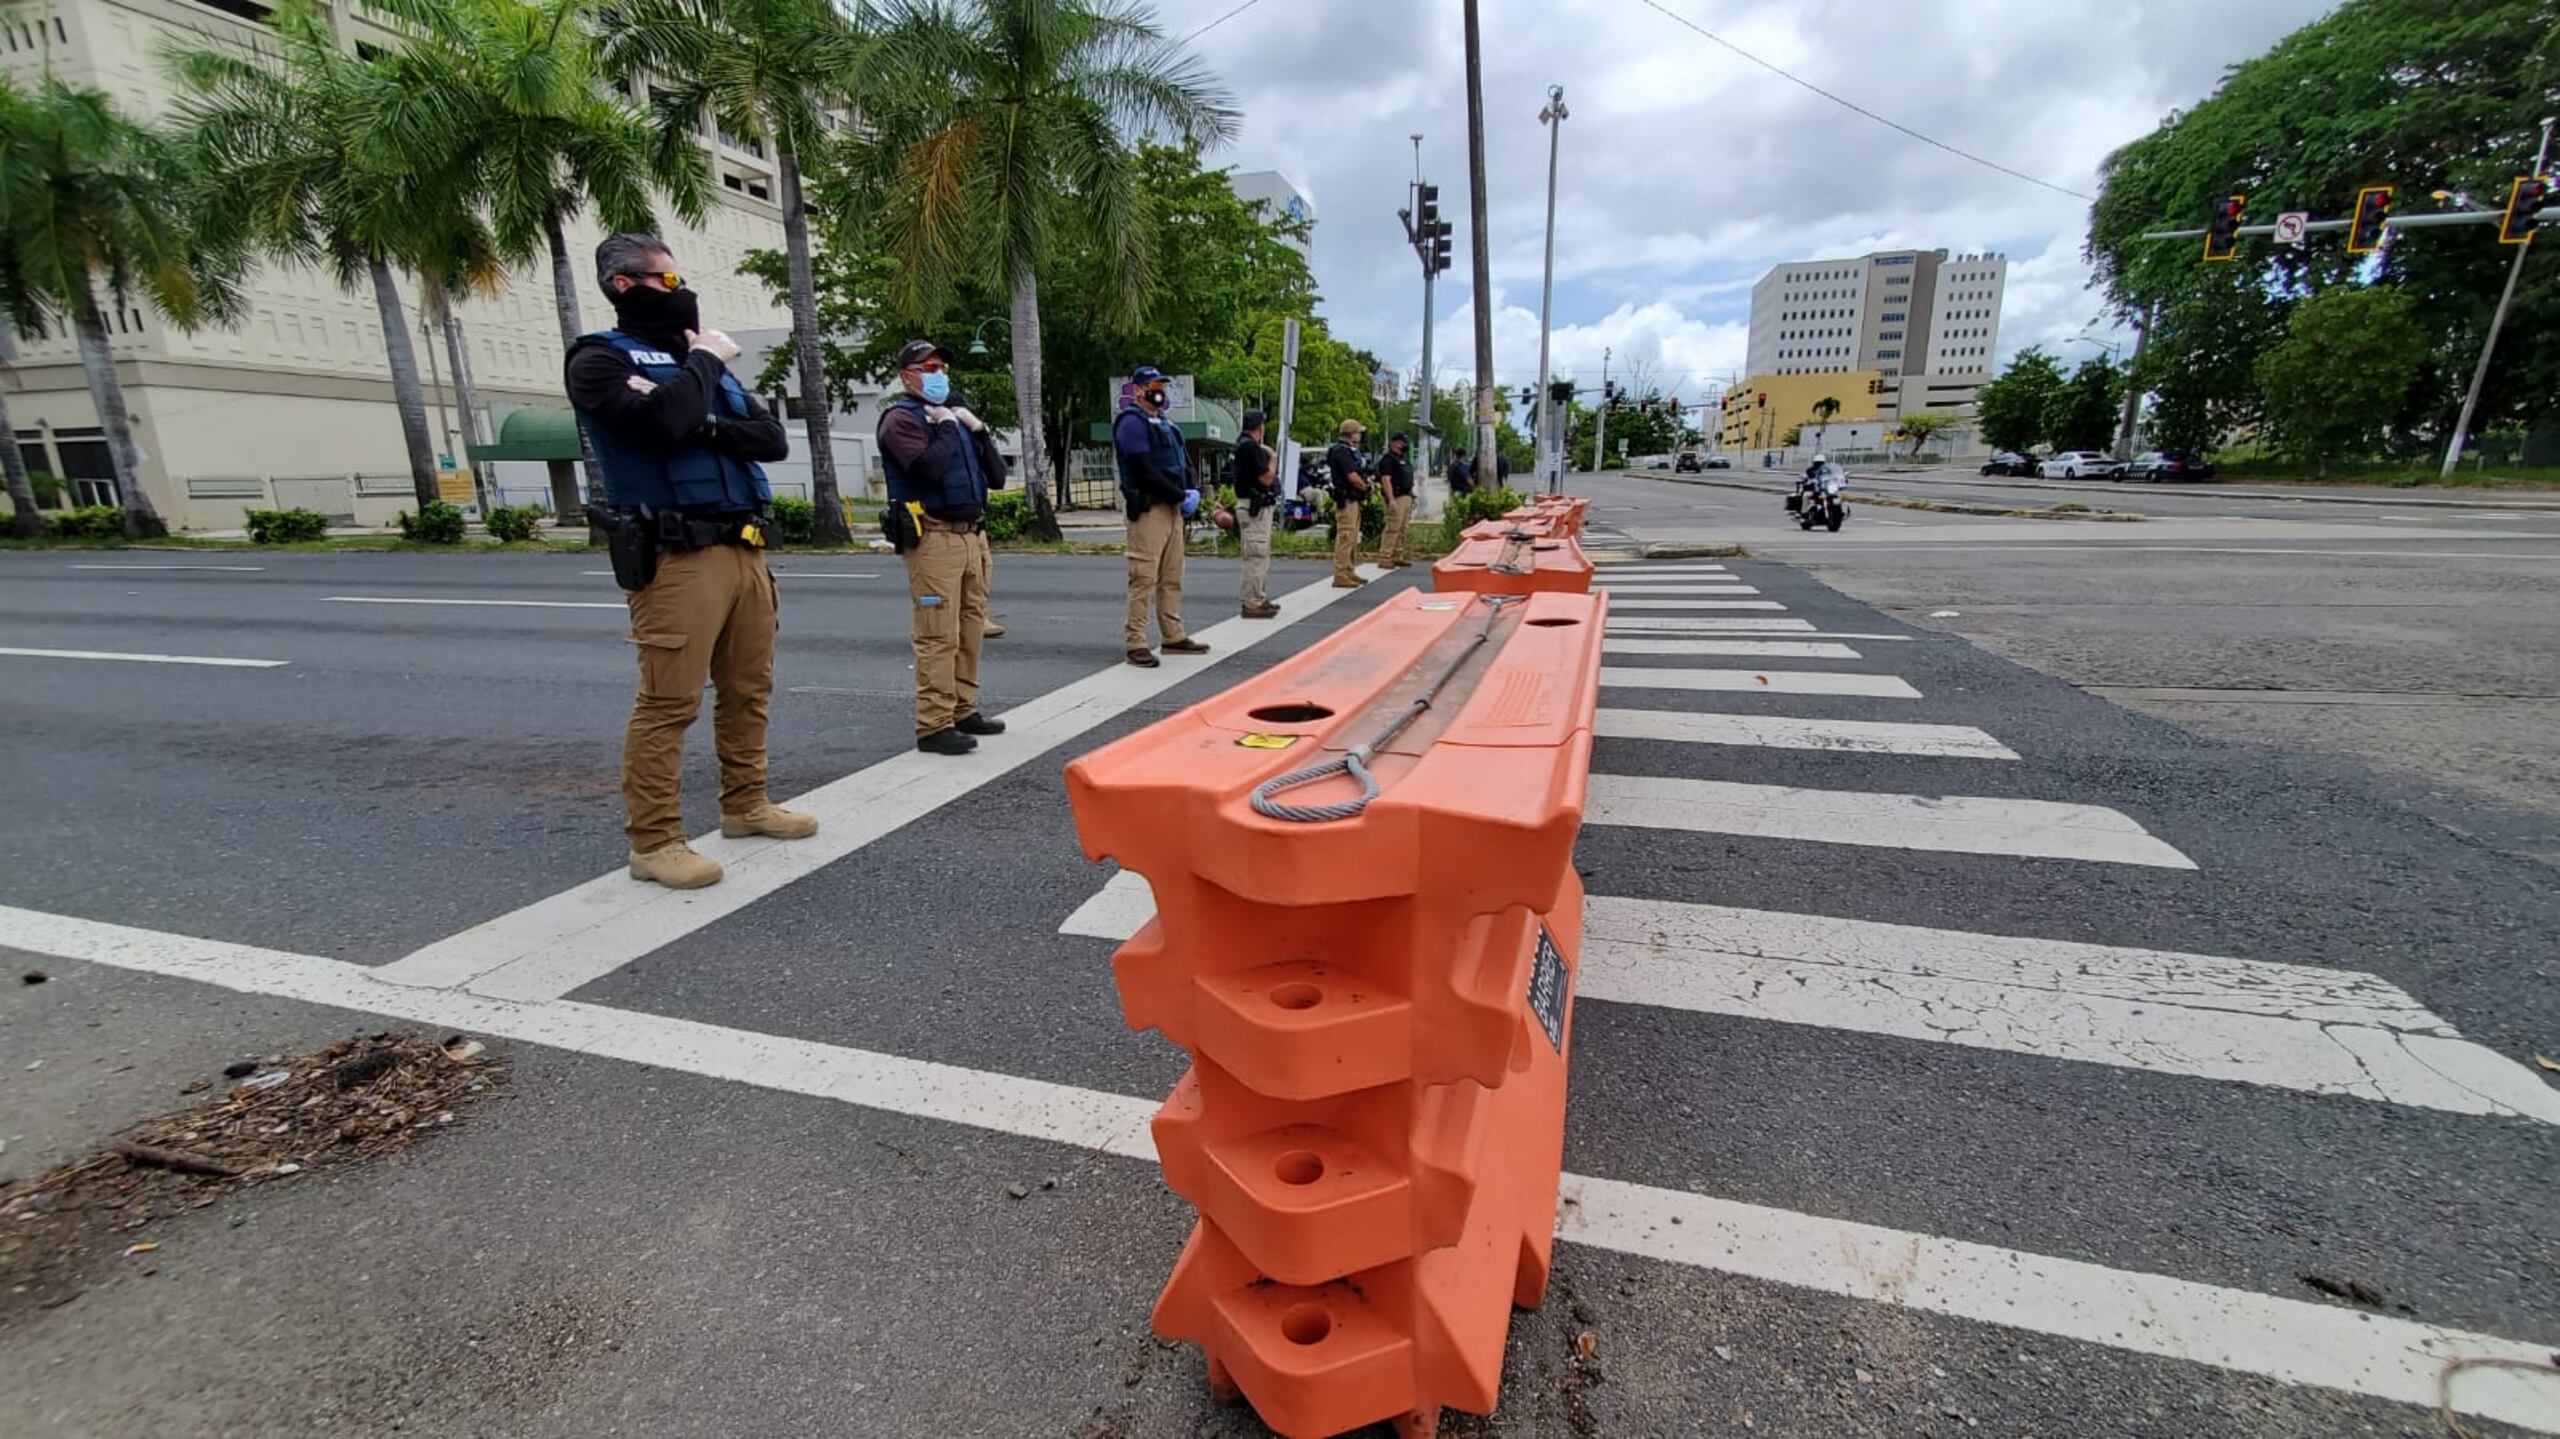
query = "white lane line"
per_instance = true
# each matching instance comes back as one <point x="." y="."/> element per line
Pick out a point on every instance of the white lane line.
<point x="499" y="604"/>
<point x="1956" y="824"/>
<point x="217" y="661"/>
<point x="1623" y="623"/>
<point x="1767" y="682"/>
<point x="1625" y="601"/>
<point x="1660" y="569"/>
<point x="2288" y="1026"/>
<point x="2290" y="1340"/>
<point x="1772" y="649"/>
<point x="2285" y="1026"/>
<point x="556" y="945"/>
<point x="1664" y="591"/>
<point x="1941" y="741"/>
<point x="223" y="569"/>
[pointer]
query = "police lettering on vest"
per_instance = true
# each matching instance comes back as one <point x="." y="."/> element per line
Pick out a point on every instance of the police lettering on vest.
<point x="960" y="488"/>
<point x="689" y="476"/>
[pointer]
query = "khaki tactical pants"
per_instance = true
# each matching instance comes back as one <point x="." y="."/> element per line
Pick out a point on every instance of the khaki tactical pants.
<point x="947" y="580"/>
<point x="1391" y="544"/>
<point x="708" y="613"/>
<point x="1155" y="570"/>
<point x="1255" y="531"/>
<point x="1346" y="538"/>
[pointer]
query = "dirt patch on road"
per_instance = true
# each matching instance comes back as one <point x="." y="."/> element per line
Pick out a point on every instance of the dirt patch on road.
<point x="265" y="1121"/>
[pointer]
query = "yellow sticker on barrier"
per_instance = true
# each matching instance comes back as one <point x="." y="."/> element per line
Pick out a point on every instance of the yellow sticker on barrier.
<point x="1270" y="741"/>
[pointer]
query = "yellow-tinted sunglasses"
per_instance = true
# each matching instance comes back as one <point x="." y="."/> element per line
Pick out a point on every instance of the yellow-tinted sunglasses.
<point x="668" y="278"/>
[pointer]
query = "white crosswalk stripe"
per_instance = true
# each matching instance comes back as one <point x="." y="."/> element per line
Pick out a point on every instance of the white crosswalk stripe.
<point x="1731" y="649"/>
<point x="1770" y="682"/>
<point x="1943" y="741"/>
<point x="1662" y="589"/>
<point x="2026" y="828"/>
<point x="1646" y="602"/>
<point x="1627" y="624"/>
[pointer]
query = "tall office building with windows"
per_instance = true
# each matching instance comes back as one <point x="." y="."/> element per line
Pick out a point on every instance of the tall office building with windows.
<point x="293" y="404"/>
<point x="1925" y="322"/>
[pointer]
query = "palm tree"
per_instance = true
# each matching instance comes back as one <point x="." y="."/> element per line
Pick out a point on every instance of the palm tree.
<point x="24" y="522"/>
<point x="513" y="93"/>
<point x="294" y="162"/>
<point x="764" y="71"/>
<point x="999" y="123"/>
<point x="89" y="195"/>
<point x="1823" y="410"/>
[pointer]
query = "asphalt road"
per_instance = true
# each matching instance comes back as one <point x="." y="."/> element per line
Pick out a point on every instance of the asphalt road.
<point x="1978" y="1109"/>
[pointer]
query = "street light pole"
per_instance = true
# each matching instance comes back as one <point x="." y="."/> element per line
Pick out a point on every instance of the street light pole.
<point x="1549" y="449"/>
<point x="2497" y="322"/>
<point x="1487" y="450"/>
<point x="1422" y="403"/>
<point x="1600" y="419"/>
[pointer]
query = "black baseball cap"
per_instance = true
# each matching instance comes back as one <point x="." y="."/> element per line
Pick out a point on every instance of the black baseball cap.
<point x="917" y="351"/>
<point x="1254" y="419"/>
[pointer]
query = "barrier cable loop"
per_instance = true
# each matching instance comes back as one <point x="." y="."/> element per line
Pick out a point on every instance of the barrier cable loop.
<point x="1355" y="762"/>
<point x="1515" y="559"/>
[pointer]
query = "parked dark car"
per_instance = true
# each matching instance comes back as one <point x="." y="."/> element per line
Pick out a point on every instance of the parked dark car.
<point x="1689" y="463"/>
<point x="2007" y="462"/>
<point x="1718" y="462"/>
<point x="2157" y="465"/>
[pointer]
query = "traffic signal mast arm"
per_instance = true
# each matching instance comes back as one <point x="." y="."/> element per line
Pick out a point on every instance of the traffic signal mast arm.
<point x="2550" y="215"/>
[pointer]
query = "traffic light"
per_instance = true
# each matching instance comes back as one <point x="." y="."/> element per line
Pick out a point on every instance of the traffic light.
<point x="1608" y="392"/>
<point x="2524" y="206"/>
<point x="1440" y="248"/>
<point x="2222" y="228"/>
<point x="2373" y="211"/>
<point x="1426" y="210"/>
<point x="1561" y="392"/>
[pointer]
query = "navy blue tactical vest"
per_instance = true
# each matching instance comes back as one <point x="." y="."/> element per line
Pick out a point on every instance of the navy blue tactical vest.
<point x="689" y="476"/>
<point x="1164" y="441"/>
<point x="962" y="487"/>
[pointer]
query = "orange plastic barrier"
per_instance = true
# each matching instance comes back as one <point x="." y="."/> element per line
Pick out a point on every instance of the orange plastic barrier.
<point x="1545" y="527"/>
<point x="1566" y="512"/>
<point x="1376" y="996"/>
<point x="1514" y="563"/>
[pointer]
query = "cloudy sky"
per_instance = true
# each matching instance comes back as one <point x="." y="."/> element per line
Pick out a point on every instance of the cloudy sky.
<point x="1688" y="171"/>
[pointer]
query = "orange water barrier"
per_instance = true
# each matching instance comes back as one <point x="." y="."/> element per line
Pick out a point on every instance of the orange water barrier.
<point x="1514" y="563"/>
<point x="1366" y="925"/>
<point x="1566" y="512"/>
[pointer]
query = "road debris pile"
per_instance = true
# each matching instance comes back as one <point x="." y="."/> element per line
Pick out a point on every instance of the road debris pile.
<point x="267" y="1121"/>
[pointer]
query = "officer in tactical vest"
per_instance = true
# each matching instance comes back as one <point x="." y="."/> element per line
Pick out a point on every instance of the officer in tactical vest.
<point x="1157" y="492"/>
<point x="1351" y="485"/>
<point x="680" y="441"/>
<point x="941" y="462"/>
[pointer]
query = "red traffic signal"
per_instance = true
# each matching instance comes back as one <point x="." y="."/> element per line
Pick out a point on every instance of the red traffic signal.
<point x="2524" y="208"/>
<point x="2222" y="228"/>
<point x="2365" y="233"/>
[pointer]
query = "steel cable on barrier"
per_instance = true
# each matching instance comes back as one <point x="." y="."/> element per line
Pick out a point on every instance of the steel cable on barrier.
<point x="1355" y="762"/>
<point x="1515" y="559"/>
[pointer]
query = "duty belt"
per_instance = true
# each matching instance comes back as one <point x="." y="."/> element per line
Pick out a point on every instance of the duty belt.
<point x="685" y="532"/>
<point x="957" y="527"/>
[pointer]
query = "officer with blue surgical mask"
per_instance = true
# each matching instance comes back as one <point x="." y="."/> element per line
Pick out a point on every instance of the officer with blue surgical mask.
<point x="941" y="461"/>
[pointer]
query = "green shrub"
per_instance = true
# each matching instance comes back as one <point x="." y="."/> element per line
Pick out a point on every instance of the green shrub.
<point x="1373" y="523"/>
<point x="795" y="520"/>
<point x="513" y="524"/>
<point x="1008" y="515"/>
<point x="285" y="527"/>
<point x="47" y="487"/>
<point x="90" y="522"/>
<point x="435" y="523"/>
<point x="1474" y="505"/>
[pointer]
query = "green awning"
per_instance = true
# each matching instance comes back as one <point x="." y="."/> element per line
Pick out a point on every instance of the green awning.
<point x="536" y="432"/>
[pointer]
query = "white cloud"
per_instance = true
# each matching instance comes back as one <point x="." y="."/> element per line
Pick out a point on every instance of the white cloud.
<point x="1687" y="171"/>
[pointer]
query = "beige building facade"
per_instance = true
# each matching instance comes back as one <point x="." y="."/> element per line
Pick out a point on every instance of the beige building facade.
<point x="1759" y="412"/>
<point x="293" y="404"/>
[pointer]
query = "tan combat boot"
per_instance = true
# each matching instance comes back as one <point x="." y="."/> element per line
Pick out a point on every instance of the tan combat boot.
<point x="676" y="866"/>
<point x="770" y="822"/>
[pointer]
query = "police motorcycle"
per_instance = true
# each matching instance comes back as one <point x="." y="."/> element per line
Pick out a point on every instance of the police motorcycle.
<point x="1816" y="498"/>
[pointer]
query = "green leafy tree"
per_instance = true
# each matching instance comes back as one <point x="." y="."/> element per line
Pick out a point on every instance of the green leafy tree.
<point x="2011" y="406"/>
<point x="2082" y="412"/>
<point x="2336" y="379"/>
<point x="768" y="72"/>
<point x="92" y="199"/>
<point x="1922" y="426"/>
<point x="1824" y="411"/>
<point x="1000" y="129"/>
<point x="293" y="161"/>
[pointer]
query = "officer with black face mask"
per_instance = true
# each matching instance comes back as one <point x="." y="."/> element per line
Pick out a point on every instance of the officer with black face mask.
<point x="680" y="442"/>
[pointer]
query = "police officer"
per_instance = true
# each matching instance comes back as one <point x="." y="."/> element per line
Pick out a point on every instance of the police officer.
<point x="1351" y="485"/>
<point x="1156" y="489"/>
<point x="1257" y="495"/>
<point x="941" y="462"/>
<point x="1397" y="471"/>
<point x="680" y="441"/>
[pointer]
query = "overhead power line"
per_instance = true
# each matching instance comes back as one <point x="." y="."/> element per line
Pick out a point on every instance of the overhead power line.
<point x="1221" y="20"/>
<point x="1846" y="103"/>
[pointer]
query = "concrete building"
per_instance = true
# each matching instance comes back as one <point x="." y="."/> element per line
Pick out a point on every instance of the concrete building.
<point x="293" y="405"/>
<point x="1925" y="323"/>
<point x="1757" y="413"/>
<point x="1284" y="199"/>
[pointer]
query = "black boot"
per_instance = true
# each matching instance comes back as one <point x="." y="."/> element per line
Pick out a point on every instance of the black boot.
<point x="946" y="741"/>
<point x="976" y="723"/>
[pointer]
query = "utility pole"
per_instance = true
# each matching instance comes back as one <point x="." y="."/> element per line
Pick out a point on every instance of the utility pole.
<point x="1486" y="450"/>
<point x="1422" y="402"/>
<point x="1429" y="236"/>
<point x="1549" y="448"/>
<point x="2497" y="322"/>
<point x="2133" y="387"/>
<point x="1600" y="419"/>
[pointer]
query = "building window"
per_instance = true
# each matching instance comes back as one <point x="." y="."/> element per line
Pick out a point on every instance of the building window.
<point x="246" y="9"/>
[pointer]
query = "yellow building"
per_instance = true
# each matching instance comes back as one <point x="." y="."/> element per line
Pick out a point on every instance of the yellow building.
<point x="1759" y="411"/>
<point x="293" y="405"/>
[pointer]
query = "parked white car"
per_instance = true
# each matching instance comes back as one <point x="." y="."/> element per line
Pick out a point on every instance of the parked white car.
<point x="2072" y="464"/>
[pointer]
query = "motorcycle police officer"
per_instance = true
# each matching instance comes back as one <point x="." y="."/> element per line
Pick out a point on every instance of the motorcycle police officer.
<point x="680" y="441"/>
<point x="941" y="462"/>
